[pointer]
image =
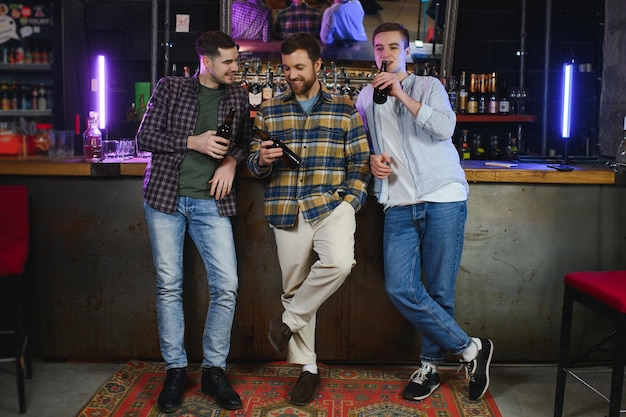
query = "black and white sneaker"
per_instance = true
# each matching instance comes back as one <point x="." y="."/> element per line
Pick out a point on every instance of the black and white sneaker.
<point x="422" y="383"/>
<point x="477" y="370"/>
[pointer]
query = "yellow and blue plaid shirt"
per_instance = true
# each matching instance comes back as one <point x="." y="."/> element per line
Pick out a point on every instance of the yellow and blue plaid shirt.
<point x="333" y="147"/>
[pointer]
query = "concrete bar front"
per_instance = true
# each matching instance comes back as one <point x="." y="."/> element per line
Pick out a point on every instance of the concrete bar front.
<point x="91" y="289"/>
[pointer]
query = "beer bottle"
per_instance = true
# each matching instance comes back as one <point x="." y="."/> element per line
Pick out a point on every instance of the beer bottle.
<point x="289" y="158"/>
<point x="225" y="129"/>
<point x="380" y="95"/>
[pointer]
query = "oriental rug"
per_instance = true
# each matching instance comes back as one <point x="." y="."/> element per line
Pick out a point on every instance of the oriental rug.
<point x="350" y="391"/>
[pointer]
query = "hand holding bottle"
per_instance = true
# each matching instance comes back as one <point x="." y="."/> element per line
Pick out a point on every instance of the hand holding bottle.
<point x="383" y="84"/>
<point x="380" y="165"/>
<point x="209" y="143"/>
<point x="273" y="148"/>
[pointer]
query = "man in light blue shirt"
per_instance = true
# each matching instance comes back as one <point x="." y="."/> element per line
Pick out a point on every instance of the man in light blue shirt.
<point x="343" y="21"/>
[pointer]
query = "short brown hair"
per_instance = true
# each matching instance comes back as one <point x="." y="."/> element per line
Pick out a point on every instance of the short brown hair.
<point x="208" y="43"/>
<point x="301" y="40"/>
<point x="392" y="27"/>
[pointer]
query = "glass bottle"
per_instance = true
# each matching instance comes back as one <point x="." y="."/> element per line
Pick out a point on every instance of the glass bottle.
<point x="92" y="139"/>
<point x="268" y="88"/>
<point x="141" y="108"/>
<point x="472" y="100"/>
<point x="465" y="148"/>
<point x="255" y="91"/>
<point x="289" y="158"/>
<point x="453" y="94"/>
<point x="620" y="155"/>
<point x="482" y="97"/>
<point x="493" y="104"/>
<point x="504" y="105"/>
<point x="463" y="95"/>
<point x="380" y="95"/>
<point x="225" y="129"/>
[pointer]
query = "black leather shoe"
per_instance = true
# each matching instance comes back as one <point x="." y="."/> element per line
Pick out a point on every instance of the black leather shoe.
<point x="171" y="396"/>
<point x="279" y="334"/>
<point x="305" y="389"/>
<point x="215" y="384"/>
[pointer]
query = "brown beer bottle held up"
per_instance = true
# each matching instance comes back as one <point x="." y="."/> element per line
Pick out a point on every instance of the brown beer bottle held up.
<point x="380" y="95"/>
<point x="289" y="158"/>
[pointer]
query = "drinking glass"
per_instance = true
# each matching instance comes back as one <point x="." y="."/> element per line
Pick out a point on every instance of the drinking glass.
<point x="109" y="149"/>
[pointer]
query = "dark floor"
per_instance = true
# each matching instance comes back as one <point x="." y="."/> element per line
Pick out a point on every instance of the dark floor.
<point x="62" y="389"/>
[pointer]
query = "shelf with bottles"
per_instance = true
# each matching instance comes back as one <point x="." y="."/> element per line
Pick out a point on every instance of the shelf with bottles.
<point x="496" y="118"/>
<point x="26" y="113"/>
<point x="26" y="67"/>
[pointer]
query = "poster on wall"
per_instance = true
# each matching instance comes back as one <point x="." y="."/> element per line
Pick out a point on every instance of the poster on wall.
<point x="25" y="33"/>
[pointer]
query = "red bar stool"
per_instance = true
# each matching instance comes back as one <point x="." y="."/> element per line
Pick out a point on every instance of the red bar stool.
<point x="14" y="237"/>
<point x="605" y="293"/>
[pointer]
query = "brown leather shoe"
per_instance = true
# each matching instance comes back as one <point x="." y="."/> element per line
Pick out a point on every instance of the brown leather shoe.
<point x="305" y="389"/>
<point x="279" y="334"/>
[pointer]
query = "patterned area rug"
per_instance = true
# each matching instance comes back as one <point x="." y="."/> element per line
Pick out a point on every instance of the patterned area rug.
<point x="349" y="391"/>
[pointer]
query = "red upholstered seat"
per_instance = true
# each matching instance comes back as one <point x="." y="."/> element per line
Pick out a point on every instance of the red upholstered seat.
<point x="13" y="229"/>
<point x="608" y="287"/>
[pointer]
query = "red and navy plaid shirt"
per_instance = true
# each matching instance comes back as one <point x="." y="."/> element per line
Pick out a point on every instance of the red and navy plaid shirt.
<point x="169" y="120"/>
<point x="298" y="18"/>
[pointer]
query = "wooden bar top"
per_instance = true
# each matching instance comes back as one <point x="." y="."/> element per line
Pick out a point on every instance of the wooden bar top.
<point x="475" y="171"/>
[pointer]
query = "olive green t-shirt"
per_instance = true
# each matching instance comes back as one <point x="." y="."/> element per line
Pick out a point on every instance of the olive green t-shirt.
<point x="197" y="169"/>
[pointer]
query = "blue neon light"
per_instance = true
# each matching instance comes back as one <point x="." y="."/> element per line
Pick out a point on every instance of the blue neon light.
<point x="568" y="74"/>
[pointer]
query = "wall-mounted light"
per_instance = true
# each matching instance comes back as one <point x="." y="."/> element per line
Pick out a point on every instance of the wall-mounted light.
<point x="566" y="119"/>
<point x="102" y="92"/>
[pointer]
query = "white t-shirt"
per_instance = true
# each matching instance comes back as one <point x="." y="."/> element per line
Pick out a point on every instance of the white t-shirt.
<point x="402" y="188"/>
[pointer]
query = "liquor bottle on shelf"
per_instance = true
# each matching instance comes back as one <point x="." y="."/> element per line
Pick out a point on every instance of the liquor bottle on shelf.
<point x="465" y="147"/>
<point x="494" y="147"/>
<point x="482" y="98"/>
<point x="289" y="158"/>
<point x="477" y="150"/>
<point x="472" y="100"/>
<point x="335" y="87"/>
<point x="279" y="87"/>
<point x="463" y="94"/>
<point x="380" y="95"/>
<point x="92" y="139"/>
<point x="131" y="113"/>
<point x="504" y="105"/>
<point x="255" y="91"/>
<point x="244" y="78"/>
<point x="225" y="129"/>
<point x="493" y="104"/>
<point x="141" y="109"/>
<point x="453" y="94"/>
<point x="511" y="148"/>
<point x="346" y="89"/>
<point x="268" y="88"/>
<point x="620" y="154"/>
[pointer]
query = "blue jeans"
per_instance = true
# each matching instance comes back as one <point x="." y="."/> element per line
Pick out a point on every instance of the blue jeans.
<point x="213" y="237"/>
<point x="426" y="237"/>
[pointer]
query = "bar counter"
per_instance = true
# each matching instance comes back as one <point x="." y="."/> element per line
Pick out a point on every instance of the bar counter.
<point x="476" y="171"/>
<point x="91" y="284"/>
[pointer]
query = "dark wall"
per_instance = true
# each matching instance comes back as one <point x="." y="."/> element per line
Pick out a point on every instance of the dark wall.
<point x="122" y="31"/>
<point x="488" y="39"/>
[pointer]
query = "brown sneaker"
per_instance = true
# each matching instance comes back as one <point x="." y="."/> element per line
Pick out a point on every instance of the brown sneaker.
<point x="305" y="389"/>
<point x="279" y="334"/>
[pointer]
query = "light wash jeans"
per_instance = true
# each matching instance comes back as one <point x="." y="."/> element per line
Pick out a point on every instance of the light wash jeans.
<point x="213" y="237"/>
<point x="428" y="236"/>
